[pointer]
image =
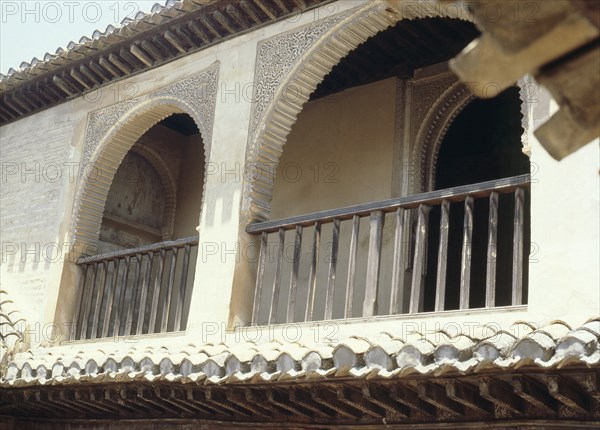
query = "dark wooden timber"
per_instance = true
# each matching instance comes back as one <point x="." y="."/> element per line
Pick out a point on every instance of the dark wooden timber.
<point x="352" y="267"/>
<point x="312" y="277"/>
<point x="373" y="263"/>
<point x="262" y="257"/>
<point x="517" y="278"/>
<point x="277" y="280"/>
<point x="169" y="295"/>
<point x="417" y="293"/>
<point x="465" y="266"/>
<point x="409" y="298"/>
<point x="433" y="198"/>
<point x="179" y="243"/>
<point x="156" y="291"/>
<point x="89" y="293"/>
<point x="144" y="294"/>
<point x="182" y="287"/>
<point x="492" y="250"/>
<point x="110" y="300"/>
<point x="115" y="297"/>
<point x="294" y="275"/>
<point x="396" y="302"/>
<point x="440" y="291"/>
<point x="332" y="269"/>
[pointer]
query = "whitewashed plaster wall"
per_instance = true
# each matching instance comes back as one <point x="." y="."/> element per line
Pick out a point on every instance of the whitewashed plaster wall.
<point x="564" y="204"/>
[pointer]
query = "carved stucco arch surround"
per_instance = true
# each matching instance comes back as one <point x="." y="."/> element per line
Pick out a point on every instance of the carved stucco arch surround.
<point x="111" y="132"/>
<point x="438" y="120"/>
<point x="433" y="129"/>
<point x="300" y="71"/>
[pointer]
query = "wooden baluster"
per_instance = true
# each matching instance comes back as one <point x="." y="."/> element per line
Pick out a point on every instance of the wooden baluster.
<point x="88" y="303"/>
<point x="517" y="275"/>
<point x="490" y="279"/>
<point x="352" y="267"/>
<point x="110" y="301"/>
<point x="332" y="270"/>
<point x="260" y="273"/>
<point x="373" y="264"/>
<point x="97" y="301"/>
<point x="76" y="332"/>
<point x="164" y="322"/>
<point x="277" y="280"/>
<point x="312" y="277"/>
<point x="465" y="268"/>
<point x="294" y="275"/>
<point x="182" y="288"/>
<point x="122" y="298"/>
<point x="440" y="288"/>
<point x="131" y="308"/>
<point x="156" y="291"/>
<point x="417" y="293"/>
<point x="397" y="293"/>
<point x="144" y="294"/>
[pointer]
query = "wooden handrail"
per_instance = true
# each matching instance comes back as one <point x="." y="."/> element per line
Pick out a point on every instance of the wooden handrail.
<point x="500" y="186"/>
<point x="179" y="243"/>
<point x="410" y="252"/>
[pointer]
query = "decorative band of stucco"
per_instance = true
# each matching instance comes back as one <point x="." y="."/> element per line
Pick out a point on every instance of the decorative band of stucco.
<point x="111" y="132"/>
<point x="288" y="72"/>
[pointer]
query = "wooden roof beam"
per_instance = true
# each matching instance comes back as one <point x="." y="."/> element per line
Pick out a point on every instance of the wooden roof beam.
<point x="99" y="71"/>
<point x="79" y="77"/>
<point x="282" y="6"/>
<point x="195" y="28"/>
<point x="235" y="14"/>
<point x="250" y="11"/>
<point x="121" y="65"/>
<point x="141" y="55"/>
<point x="267" y="10"/>
<point x="222" y="19"/>
<point x="63" y="86"/>
<point x="150" y="48"/>
<point x="568" y="394"/>
<point x="108" y="66"/>
<point x="172" y="39"/>
<point x="89" y="74"/>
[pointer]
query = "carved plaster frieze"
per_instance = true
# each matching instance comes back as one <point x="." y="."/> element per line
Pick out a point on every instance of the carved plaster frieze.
<point x="289" y="68"/>
<point x="277" y="56"/>
<point x="198" y="92"/>
<point x="113" y="131"/>
<point x="433" y="128"/>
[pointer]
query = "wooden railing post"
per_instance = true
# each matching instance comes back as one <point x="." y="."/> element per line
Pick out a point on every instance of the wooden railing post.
<point x="262" y="257"/>
<point x="417" y="293"/>
<point x="373" y="264"/>
<point x="440" y="290"/>
<point x="492" y="251"/>
<point x="294" y="276"/>
<point x="312" y="277"/>
<point x="465" y="264"/>
<point x="115" y="303"/>
<point x="332" y="270"/>
<point x="397" y="293"/>
<point x="352" y="267"/>
<point x="517" y="275"/>
<point x="277" y="280"/>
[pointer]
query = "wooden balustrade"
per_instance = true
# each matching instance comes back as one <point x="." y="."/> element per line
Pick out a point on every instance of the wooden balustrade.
<point x="136" y="291"/>
<point x="409" y="263"/>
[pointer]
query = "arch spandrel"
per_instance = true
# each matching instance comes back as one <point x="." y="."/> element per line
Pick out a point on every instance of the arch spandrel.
<point x="271" y="124"/>
<point x="112" y="132"/>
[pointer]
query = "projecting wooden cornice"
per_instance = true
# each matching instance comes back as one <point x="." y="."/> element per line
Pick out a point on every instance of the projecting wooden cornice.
<point x="166" y="33"/>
